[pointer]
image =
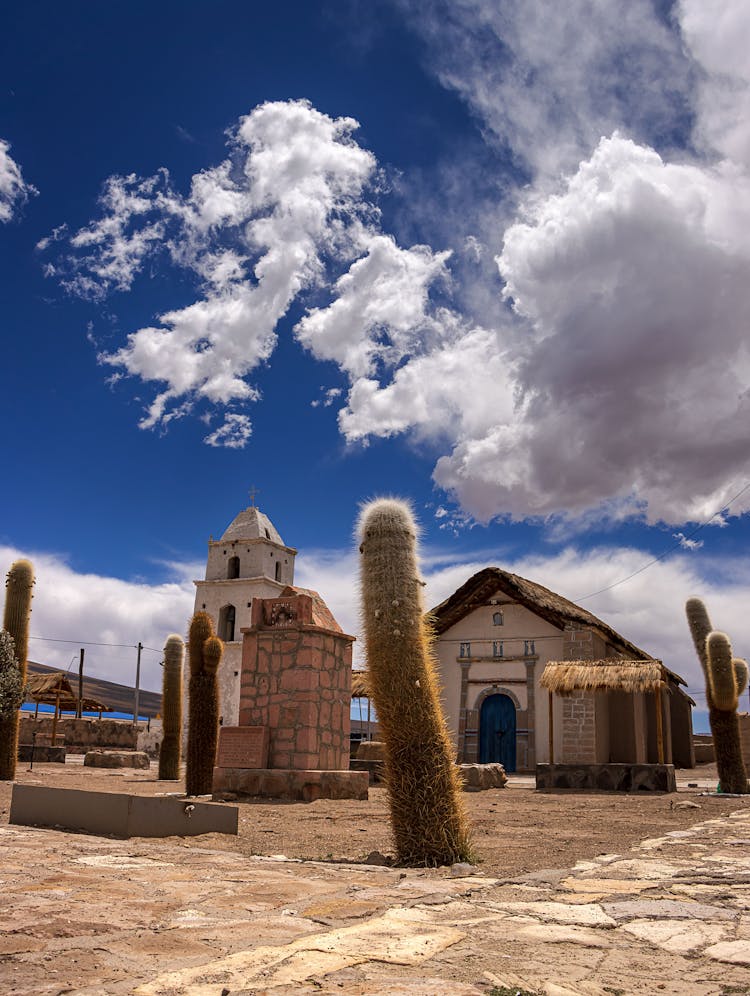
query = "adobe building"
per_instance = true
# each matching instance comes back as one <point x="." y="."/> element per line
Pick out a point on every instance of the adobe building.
<point x="495" y="637"/>
<point x="249" y="561"/>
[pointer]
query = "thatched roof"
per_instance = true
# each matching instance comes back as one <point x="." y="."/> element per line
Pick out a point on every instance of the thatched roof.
<point x="118" y="698"/>
<point x="559" y="611"/>
<point x="54" y="688"/>
<point x="612" y="675"/>
<point x="360" y="685"/>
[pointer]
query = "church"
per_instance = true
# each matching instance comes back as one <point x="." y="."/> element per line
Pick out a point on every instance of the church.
<point x="249" y="561"/>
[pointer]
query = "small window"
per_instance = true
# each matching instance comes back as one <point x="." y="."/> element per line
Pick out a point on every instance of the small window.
<point x="278" y="570"/>
<point x="497" y="648"/>
<point x="465" y="650"/>
<point x="268" y="535"/>
<point x="233" y="568"/>
<point x="497" y="618"/>
<point x="528" y="648"/>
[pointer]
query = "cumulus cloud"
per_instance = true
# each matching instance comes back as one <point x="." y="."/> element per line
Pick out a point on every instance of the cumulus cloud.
<point x="621" y="387"/>
<point x="14" y="190"/>
<point x="88" y="609"/>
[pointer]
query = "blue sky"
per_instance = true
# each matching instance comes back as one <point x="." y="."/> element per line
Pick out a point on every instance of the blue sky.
<point x="489" y="257"/>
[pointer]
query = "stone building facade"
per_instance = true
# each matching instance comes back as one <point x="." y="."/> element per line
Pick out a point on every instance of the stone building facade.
<point x="249" y="561"/>
<point x="495" y="635"/>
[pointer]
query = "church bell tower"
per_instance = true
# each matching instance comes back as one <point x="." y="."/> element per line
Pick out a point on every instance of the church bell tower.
<point x="249" y="561"/>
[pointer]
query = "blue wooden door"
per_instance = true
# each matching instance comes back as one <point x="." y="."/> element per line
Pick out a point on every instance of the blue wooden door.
<point x="497" y="732"/>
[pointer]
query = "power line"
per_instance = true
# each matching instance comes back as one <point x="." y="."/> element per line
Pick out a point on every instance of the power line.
<point x="674" y="546"/>
<point x="89" y="643"/>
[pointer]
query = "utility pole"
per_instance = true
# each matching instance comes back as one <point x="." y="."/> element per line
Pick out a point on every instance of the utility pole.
<point x="79" y="710"/>
<point x="137" y="684"/>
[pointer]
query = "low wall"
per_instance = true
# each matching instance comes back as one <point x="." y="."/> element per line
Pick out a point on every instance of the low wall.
<point x="82" y="733"/>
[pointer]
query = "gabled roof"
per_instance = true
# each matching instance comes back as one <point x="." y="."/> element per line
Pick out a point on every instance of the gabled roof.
<point x="559" y="611"/>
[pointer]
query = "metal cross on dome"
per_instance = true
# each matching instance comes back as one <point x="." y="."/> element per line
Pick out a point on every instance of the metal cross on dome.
<point x="253" y="492"/>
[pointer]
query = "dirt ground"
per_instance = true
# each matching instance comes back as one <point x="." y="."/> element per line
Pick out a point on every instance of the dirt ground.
<point x="516" y="830"/>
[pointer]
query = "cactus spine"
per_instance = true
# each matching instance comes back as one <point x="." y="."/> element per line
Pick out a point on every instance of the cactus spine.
<point x="428" y="822"/>
<point x="726" y="679"/>
<point x="171" y="707"/>
<point x="18" y="595"/>
<point x="205" y="650"/>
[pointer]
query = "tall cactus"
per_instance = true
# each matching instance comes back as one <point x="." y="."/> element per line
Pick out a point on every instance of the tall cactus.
<point x="427" y="816"/>
<point x="205" y="650"/>
<point x="171" y="707"/>
<point x="726" y="679"/>
<point x="18" y="594"/>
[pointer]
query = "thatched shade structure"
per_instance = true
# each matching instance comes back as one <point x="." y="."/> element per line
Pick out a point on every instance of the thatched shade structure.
<point x="610" y="675"/>
<point x="567" y="677"/>
<point x="360" y="685"/>
<point x="54" y="688"/>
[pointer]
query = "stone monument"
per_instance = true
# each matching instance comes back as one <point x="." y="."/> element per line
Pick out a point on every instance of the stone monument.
<point x="292" y="741"/>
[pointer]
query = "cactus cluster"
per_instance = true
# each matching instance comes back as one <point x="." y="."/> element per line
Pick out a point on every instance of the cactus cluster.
<point x="428" y="822"/>
<point x="18" y="594"/>
<point x="205" y="650"/>
<point x="726" y="679"/>
<point x="171" y="699"/>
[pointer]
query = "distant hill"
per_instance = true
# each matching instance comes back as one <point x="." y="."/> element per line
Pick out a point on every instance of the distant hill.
<point x="120" y="698"/>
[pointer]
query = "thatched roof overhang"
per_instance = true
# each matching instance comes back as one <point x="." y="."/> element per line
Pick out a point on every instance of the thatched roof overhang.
<point x="612" y="675"/>
<point x="559" y="611"/>
<point x="360" y="685"/>
<point x="54" y="688"/>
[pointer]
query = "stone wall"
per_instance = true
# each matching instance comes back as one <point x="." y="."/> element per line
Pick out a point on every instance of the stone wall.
<point x="82" y="733"/>
<point x="579" y="729"/>
<point x="296" y="680"/>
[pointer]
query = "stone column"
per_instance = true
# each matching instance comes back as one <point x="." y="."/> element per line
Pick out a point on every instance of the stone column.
<point x="531" y="712"/>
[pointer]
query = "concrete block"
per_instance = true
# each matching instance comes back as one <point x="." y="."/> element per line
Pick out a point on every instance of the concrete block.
<point x="42" y="754"/>
<point x="304" y="786"/>
<point x="118" y="814"/>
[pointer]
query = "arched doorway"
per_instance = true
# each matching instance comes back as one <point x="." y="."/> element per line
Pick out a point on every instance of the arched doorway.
<point x="497" y="731"/>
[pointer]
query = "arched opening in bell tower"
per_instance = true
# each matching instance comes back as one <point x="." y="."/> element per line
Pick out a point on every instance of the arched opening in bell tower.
<point x="227" y="616"/>
<point x="233" y="568"/>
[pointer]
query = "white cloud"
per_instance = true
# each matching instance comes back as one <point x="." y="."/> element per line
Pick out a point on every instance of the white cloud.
<point x="379" y="310"/>
<point x="14" y="190"/>
<point x="87" y="609"/>
<point x="686" y="543"/>
<point x="547" y="80"/>
<point x="718" y="38"/>
<point x="632" y="282"/>
<point x="257" y="230"/>
<point x="233" y="433"/>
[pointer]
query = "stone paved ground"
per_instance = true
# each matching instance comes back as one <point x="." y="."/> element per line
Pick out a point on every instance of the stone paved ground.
<point x="93" y="916"/>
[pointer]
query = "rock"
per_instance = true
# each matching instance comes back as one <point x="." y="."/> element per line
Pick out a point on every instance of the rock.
<point x="377" y="858"/>
<point x="684" y="805"/>
<point x="116" y="759"/>
<point x="461" y="869"/>
<point x="477" y="777"/>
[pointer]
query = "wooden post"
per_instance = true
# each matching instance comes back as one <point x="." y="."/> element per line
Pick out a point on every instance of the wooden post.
<point x="659" y="727"/>
<point x="54" y="719"/>
<point x="551" y="729"/>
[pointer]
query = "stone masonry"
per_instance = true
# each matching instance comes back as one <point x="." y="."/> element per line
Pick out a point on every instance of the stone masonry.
<point x="296" y="680"/>
<point x="579" y="729"/>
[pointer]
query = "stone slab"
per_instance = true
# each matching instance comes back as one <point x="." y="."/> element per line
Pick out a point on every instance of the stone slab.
<point x="118" y="814"/>
<point x="607" y="777"/>
<point x="116" y="759"/>
<point x="243" y="747"/>
<point x="301" y="786"/>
